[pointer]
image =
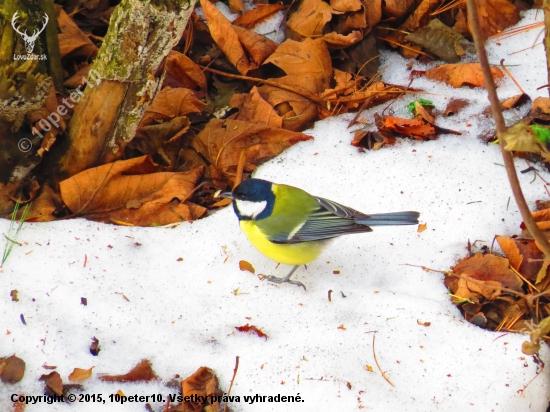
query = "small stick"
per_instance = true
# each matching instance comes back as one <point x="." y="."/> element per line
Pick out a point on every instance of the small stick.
<point x="232" y="380"/>
<point x="376" y="360"/>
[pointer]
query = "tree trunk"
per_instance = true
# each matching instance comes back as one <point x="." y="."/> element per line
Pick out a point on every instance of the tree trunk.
<point x="29" y="65"/>
<point x="124" y="80"/>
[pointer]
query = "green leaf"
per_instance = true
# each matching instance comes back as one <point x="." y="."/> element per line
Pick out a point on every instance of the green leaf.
<point x="543" y="133"/>
<point x="412" y="105"/>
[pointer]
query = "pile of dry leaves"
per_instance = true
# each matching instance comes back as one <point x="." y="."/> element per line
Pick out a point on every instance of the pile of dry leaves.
<point x="230" y="99"/>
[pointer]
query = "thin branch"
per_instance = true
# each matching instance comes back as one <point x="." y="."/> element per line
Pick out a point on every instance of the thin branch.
<point x="532" y="227"/>
<point x="232" y="380"/>
<point x="268" y="82"/>
<point x="376" y="360"/>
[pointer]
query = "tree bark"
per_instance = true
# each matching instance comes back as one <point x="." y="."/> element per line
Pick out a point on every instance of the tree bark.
<point x="124" y="80"/>
<point x="29" y="65"/>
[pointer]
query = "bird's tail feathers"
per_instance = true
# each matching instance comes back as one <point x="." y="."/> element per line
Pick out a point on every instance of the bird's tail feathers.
<point x="390" y="219"/>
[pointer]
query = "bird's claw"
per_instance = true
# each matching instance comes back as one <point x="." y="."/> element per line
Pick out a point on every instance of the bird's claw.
<point x="275" y="279"/>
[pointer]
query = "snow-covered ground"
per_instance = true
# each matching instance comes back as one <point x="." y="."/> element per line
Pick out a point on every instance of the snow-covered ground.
<point x="182" y="314"/>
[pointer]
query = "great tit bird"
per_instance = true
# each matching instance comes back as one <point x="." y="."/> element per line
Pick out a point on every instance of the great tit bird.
<point x="291" y="226"/>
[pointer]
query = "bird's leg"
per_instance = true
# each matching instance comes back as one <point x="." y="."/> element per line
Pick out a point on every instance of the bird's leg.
<point x="286" y="279"/>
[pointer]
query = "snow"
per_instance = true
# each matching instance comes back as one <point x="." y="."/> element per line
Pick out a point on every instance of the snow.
<point x="182" y="314"/>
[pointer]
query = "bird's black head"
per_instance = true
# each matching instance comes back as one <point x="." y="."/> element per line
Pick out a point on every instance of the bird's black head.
<point x="253" y="199"/>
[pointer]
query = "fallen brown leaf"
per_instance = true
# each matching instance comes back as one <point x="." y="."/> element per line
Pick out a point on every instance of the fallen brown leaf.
<point x="310" y="18"/>
<point x="142" y="372"/>
<point x="346" y="5"/>
<point x="308" y="70"/>
<point x="492" y="270"/>
<point x="181" y="71"/>
<point x="12" y="369"/>
<point x="397" y="8"/>
<point x="53" y="382"/>
<point x="254" y="109"/>
<point x="461" y="74"/>
<point x="416" y="128"/>
<point x="108" y="189"/>
<point x="203" y="383"/>
<point x="171" y="103"/>
<point x="510" y="249"/>
<point x="233" y="40"/>
<point x="251" y="329"/>
<point x="72" y="39"/>
<point x="496" y="15"/>
<point x="244" y="265"/>
<point x="222" y="142"/>
<point x="340" y="41"/>
<point x="80" y="374"/>
<point x="455" y="106"/>
<point x="252" y="17"/>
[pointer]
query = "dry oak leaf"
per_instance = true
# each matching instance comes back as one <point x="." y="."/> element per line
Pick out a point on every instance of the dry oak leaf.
<point x="223" y="141"/>
<point x="455" y="106"/>
<point x="310" y="18"/>
<point x="307" y="64"/>
<point x="493" y="270"/>
<point x="72" y="38"/>
<point x="496" y="15"/>
<point x="510" y="249"/>
<point x="153" y="214"/>
<point x="254" y="109"/>
<point x="461" y="23"/>
<point x="111" y="186"/>
<point x="236" y="6"/>
<point x="308" y="69"/>
<point x="542" y="217"/>
<point x="53" y="382"/>
<point x="251" y="329"/>
<point x="252" y="17"/>
<point x="397" y="8"/>
<point x="352" y="21"/>
<point x="184" y="72"/>
<point x="42" y="208"/>
<point x="534" y="266"/>
<point x="416" y="128"/>
<point x="374" y="95"/>
<point x="80" y="374"/>
<point x="233" y="40"/>
<point x="170" y="103"/>
<point x="515" y="101"/>
<point x="257" y="46"/>
<point x="203" y="383"/>
<point x="346" y="5"/>
<point x="417" y="19"/>
<point x="346" y="84"/>
<point x="12" y="369"/>
<point x="461" y="74"/>
<point x="246" y="266"/>
<point x="142" y="372"/>
<point x="541" y="105"/>
<point x="339" y="41"/>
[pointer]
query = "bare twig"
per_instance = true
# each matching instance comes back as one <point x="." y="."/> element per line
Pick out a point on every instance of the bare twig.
<point x="308" y="96"/>
<point x="532" y="227"/>
<point x="232" y="380"/>
<point x="376" y="360"/>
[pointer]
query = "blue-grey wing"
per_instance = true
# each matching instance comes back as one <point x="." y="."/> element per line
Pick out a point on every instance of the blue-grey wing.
<point x="330" y="220"/>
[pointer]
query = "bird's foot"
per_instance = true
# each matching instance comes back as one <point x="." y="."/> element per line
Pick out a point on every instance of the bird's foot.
<point x="275" y="279"/>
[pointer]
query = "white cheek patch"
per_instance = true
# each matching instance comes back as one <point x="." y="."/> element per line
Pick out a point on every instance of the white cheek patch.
<point x="250" y="209"/>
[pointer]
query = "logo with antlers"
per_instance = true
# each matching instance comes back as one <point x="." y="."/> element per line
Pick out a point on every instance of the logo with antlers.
<point x="29" y="40"/>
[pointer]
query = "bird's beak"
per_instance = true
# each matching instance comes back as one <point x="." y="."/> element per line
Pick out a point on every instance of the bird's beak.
<point x="227" y="195"/>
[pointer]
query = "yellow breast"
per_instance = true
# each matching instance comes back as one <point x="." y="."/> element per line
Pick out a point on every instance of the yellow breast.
<point x="294" y="254"/>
